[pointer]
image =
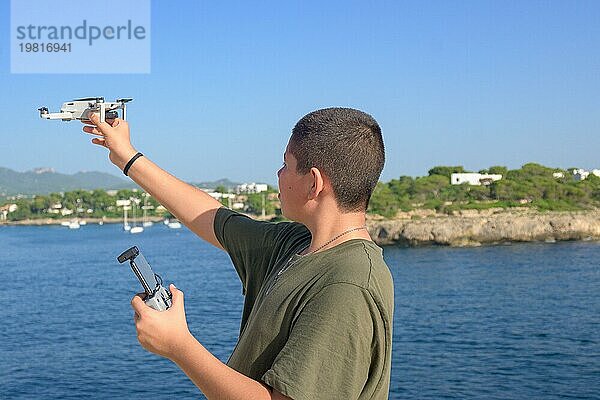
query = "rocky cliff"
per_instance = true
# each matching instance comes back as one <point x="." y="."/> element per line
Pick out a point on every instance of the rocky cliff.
<point x="473" y="228"/>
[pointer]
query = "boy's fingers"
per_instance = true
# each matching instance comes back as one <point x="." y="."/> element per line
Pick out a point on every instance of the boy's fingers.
<point x="177" y="295"/>
<point x="99" y="142"/>
<point x="114" y="122"/>
<point x="96" y="121"/>
<point x="139" y="306"/>
<point x="92" y="131"/>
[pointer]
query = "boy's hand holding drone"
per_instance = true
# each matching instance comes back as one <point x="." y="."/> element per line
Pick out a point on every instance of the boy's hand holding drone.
<point x="114" y="135"/>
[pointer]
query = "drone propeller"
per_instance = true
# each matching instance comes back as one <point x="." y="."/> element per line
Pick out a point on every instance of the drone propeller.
<point x="98" y="99"/>
<point x="126" y="100"/>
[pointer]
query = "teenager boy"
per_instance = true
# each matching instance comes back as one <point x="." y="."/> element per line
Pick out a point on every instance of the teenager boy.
<point x="317" y="317"/>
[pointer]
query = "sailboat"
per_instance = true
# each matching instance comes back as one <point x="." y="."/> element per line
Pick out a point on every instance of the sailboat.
<point x="126" y="226"/>
<point x="135" y="228"/>
<point x="74" y="224"/>
<point x="174" y="224"/>
<point x="146" y="207"/>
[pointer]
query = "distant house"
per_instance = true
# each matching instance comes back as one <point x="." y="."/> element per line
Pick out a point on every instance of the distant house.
<point x="558" y="175"/>
<point x="473" y="178"/>
<point x="251" y="188"/>
<point x="55" y="208"/>
<point x="219" y="196"/>
<point x="580" y="174"/>
<point x="5" y="209"/>
<point x="11" y="207"/>
<point x="238" y="206"/>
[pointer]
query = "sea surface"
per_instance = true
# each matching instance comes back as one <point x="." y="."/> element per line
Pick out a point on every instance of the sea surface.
<point x="517" y="321"/>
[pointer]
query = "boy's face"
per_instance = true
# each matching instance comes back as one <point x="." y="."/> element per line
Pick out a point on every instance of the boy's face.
<point x="292" y="187"/>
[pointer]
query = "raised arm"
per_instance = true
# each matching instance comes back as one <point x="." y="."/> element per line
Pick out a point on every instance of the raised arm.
<point x="193" y="207"/>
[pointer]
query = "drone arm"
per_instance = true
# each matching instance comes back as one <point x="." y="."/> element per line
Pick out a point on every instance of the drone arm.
<point x="61" y="115"/>
<point x="102" y="112"/>
<point x="124" y="106"/>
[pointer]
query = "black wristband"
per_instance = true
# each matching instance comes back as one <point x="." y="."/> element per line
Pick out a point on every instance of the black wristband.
<point x="130" y="163"/>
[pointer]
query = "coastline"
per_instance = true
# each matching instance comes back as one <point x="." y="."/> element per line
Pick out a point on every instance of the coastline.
<point x="471" y="228"/>
<point x="52" y="221"/>
<point x="466" y="228"/>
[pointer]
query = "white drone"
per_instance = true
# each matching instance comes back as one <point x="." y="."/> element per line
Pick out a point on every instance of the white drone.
<point x="82" y="108"/>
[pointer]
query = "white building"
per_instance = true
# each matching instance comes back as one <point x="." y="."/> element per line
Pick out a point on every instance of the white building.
<point x="219" y="196"/>
<point x="473" y="178"/>
<point x="558" y="175"/>
<point x="579" y="174"/>
<point x="6" y="209"/>
<point x="238" y="206"/>
<point x="251" y="188"/>
<point x="55" y="208"/>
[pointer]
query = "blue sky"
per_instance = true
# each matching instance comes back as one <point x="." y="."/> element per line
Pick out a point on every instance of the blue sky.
<point x="472" y="83"/>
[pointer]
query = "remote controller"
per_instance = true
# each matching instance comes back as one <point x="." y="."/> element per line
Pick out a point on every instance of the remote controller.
<point x="157" y="296"/>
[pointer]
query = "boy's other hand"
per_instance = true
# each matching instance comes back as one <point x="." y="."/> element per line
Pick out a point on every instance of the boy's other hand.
<point x="162" y="332"/>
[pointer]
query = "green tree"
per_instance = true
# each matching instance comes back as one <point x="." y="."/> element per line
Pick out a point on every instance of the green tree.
<point x="22" y="212"/>
<point x="429" y="187"/>
<point x="255" y="204"/>
<point x="383" y="201"/>
<point x="446" y="171"/>
<point x="39" y="205"/>
<point x="404" y="186"/>
<point x="497" y="169"/>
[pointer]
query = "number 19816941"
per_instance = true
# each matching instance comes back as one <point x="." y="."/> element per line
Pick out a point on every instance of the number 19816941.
<point x="45" y="47"/>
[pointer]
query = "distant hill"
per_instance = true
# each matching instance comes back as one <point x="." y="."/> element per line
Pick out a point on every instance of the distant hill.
<point x="46" y="180"/>
<point x="213" y="185"/>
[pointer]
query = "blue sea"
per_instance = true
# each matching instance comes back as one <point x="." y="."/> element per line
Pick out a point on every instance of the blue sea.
<point x="517" y="321"/>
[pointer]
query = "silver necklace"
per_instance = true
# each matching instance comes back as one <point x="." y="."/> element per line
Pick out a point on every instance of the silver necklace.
<point x="290" y="263"/>
<point x="336" y="238"/>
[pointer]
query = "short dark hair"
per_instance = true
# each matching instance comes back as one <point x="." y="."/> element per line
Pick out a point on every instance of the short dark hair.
<point x="347" y="146"/>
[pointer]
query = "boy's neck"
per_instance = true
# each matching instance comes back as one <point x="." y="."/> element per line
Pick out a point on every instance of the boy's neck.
<point x="325" y="227"/>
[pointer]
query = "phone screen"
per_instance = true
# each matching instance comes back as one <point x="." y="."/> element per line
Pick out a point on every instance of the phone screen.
<point x="145" y="274"/>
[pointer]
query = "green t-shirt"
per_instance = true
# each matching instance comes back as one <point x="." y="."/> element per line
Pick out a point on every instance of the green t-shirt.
<point x="322" y="329"/>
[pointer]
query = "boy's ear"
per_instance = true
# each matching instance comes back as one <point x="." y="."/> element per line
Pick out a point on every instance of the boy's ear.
<point x="317" y="183"/>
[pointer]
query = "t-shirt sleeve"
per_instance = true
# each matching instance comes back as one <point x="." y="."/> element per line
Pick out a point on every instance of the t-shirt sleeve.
<point x="328" y="352"/>
<point x="253" y="245"/>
